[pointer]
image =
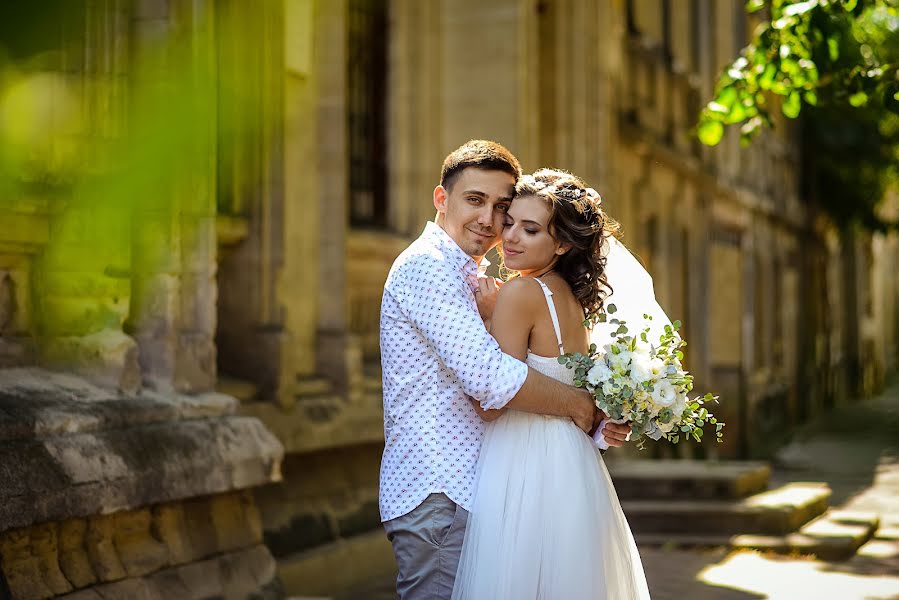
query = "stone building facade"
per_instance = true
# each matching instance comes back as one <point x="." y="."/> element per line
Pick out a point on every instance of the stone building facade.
<point x="783" y="316"/>
<point x="251" y="294"/>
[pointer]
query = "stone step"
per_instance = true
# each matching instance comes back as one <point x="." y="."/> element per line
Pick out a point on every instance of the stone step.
<point x="687" y="479"/>
<point x="682" y="540"/>
<point x="775" y="512"/>
<point x="835" y="535"/>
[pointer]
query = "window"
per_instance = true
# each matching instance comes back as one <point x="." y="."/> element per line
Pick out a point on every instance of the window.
<point x="366" y="111"/>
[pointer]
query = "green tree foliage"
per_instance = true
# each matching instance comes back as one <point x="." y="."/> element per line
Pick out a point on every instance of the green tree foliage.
<point x="837" y="63"/>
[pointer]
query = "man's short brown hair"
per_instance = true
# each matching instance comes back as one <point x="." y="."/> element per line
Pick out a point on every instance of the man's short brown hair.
<point x="480" y="154"/>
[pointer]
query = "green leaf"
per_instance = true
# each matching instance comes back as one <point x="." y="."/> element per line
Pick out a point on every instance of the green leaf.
<point x="792" y="105"/>
<point x="833" y="48"/>
<point x="612" y="309"/>
<point x="858" y="99"/>
<point x="710" y="132"/>
<point x="767" y="76"/>
<point x="754" y="5"/>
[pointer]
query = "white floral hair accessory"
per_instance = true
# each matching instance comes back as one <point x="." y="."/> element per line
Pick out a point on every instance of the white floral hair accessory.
<point x="531" y="181"/>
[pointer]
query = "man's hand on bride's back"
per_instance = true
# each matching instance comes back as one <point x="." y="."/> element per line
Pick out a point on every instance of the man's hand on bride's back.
<point x="485" y="295"/>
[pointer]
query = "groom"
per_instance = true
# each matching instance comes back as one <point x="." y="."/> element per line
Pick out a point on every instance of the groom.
<point x="435" y="353"/>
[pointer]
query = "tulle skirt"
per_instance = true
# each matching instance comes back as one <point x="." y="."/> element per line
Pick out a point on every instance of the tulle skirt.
<point x="545" y="522"/>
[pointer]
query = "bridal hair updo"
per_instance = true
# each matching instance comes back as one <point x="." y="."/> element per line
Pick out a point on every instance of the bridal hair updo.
<point x="576" y="219"/>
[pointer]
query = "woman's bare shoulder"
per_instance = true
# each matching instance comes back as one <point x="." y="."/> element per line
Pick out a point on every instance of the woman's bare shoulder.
<point x="520" y="291"/>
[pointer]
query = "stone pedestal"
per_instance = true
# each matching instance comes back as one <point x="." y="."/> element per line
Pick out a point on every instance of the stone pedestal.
<point x="108" y="495"/>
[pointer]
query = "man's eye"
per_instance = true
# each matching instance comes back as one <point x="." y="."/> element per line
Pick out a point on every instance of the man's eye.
<point x="474" y="200"/>
<point x="502" y="207"/>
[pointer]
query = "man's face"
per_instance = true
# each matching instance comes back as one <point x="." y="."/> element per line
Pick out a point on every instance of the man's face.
<point x="473" y="209"/>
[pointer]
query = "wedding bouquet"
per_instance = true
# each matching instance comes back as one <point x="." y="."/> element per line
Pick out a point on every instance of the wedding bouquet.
<point x="634" y="380"/>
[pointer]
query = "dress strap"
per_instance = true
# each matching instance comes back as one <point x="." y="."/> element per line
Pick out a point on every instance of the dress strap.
<point x="552" y="313"/>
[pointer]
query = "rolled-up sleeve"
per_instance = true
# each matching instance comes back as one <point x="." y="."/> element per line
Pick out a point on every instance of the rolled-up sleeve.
<point x="436" y="299"/>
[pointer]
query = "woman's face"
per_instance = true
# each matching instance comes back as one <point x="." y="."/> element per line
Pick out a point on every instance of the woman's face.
<point x="527" y="244"/>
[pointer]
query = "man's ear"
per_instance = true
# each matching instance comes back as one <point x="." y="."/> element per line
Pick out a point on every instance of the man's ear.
<point x="440" y="199"/>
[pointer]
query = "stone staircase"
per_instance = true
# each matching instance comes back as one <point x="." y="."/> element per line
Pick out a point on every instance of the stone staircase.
<point x="703" y="503"/>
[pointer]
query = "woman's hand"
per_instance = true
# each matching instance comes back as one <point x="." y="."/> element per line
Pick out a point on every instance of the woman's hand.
<point x="485" y="296"/>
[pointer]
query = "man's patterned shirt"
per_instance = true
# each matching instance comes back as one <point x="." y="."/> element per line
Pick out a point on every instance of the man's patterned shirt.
<point x="435" y="352"/>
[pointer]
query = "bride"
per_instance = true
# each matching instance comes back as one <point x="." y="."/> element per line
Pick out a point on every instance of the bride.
<point x="545" y="521"/>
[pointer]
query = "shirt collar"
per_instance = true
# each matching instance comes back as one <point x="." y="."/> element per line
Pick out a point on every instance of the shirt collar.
<point x="457" y="257"/>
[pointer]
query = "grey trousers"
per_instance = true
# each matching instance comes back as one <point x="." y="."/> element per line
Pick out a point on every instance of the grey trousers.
<point x="427" y="543"/>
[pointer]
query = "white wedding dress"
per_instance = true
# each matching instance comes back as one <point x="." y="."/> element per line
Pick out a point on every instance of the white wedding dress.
<point x="545" y="521"/>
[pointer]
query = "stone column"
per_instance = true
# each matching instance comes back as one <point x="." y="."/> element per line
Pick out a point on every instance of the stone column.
<point x="83" y="276"/>
<point x="333" y="177"/>
<point x="173" y="312"/>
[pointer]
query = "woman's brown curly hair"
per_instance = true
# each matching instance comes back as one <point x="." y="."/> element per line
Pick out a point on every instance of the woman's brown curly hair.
<point x="578" y="220"/>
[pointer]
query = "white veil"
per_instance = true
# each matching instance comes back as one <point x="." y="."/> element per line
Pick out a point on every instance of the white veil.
<point x="633" y="296"/>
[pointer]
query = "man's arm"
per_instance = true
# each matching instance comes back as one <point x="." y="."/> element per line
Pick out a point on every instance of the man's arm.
<point x="546" y="396"/>
<point x="517" y="305"/>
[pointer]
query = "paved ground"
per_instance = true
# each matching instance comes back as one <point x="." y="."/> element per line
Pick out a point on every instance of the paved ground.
<point x="856" y="450"/>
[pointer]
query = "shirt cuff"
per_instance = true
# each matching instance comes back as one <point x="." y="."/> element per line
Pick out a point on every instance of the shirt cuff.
<point x="510" y="377"/>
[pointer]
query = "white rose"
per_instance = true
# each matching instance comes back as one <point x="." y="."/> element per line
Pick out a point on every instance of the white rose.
<point x="641" y="369"/>
<point x="599" y="373"/>
<point x="656" y="366"/>
<point x="664" y="394"/>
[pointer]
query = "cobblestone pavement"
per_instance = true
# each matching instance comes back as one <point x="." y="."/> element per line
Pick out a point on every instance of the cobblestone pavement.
<point x="855" y="449"/>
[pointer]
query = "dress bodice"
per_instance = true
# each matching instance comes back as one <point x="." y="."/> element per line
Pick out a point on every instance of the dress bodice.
<point x="549" y="366"/>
